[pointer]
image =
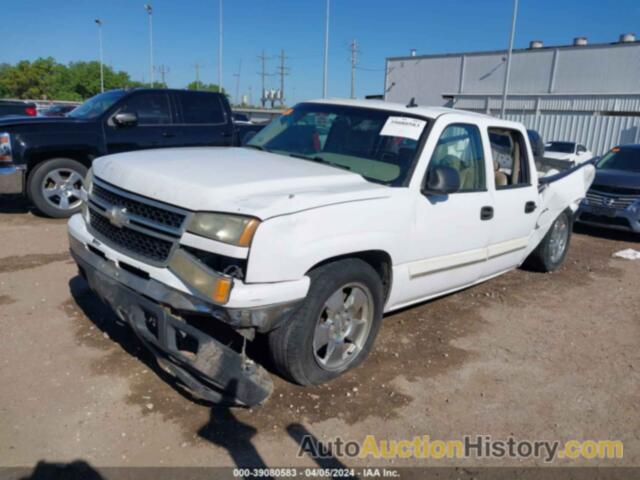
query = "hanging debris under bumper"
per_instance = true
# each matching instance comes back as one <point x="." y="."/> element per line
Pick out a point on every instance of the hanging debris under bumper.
<point x="207" y="368"/>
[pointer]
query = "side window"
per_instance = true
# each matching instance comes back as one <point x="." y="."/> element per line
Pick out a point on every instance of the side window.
<point x="510" y="160"/>
<point x="460" y="147"/>
<point x="200" y="108"/>
<point x="581" y="149"/>
<point x="151" y="108"/>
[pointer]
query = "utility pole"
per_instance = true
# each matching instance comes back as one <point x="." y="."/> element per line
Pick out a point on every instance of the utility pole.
<point x="99" y="23"/>
<point x="237" y="75"/>
<point x="197" y="67"/>
<point x="163" y="70"/>
<point x="282" y="71"/>
<point x="354" y="62"/>
<point x="220" y="46"/>
<point x="508" y="69"/>
<point x="149" y="10"/>
<point x="263" y="74"/>
<point x="326" y="52"/>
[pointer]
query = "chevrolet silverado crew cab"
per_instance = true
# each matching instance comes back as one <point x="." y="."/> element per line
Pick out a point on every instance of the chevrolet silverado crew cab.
<point x="333" y="215"/>
<point x="46" y="158"/>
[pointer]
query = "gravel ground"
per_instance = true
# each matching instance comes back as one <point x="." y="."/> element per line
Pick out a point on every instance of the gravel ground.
<point x="535" y="356"/>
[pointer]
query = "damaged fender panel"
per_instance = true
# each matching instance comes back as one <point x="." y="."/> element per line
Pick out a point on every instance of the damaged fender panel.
<point x="557" y="193"/>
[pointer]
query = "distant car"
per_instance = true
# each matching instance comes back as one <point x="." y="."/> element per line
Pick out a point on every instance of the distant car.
<point x="564" y="155"/>
<point x="58" y="110"/>
<point x="17" y="108"/>
<point x="613" y="201"/>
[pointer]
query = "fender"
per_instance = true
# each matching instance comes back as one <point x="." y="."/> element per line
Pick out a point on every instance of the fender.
<point x="310" y="237"/>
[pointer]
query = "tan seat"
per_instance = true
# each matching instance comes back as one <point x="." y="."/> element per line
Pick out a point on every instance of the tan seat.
<point x="501" y="178"/>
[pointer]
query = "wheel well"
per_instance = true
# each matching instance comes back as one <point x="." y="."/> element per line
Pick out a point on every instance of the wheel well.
<point x="37" y="158"/>
<point x="379" y="260"/>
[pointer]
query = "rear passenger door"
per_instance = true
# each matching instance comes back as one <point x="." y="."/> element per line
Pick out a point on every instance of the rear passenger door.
<point x="515" y="199"/>
<point x="203" y="119"/>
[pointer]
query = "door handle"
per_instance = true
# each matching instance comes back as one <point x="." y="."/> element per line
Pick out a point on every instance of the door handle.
<point x="168" y="134"/>
<point x="486" y="213"/>
<point x="225" y="134"/>
<point x="530" y="207"/>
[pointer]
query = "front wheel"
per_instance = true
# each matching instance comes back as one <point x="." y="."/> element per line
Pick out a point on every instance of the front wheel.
<point x="335" y="328"/>
<point x="552" y="250"/>
<point x="54" y="187"/>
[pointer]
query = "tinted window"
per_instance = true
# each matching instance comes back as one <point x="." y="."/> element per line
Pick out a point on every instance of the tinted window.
<point x="460" y="148"/>
<point x="561" y="147"/>
<point x="97" y="105"/>
<point x="201" y="108"/>
<point x="621" y="159"/>
<point x="151" y="108"/>
<point x="510" y="161"/>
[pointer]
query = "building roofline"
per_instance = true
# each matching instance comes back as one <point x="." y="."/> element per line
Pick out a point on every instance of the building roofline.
<point x="516" y="50"/>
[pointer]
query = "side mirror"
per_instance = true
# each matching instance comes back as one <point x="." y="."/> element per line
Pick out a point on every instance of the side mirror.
<point x="441" y="181"/>
<point x="125" y="119"/>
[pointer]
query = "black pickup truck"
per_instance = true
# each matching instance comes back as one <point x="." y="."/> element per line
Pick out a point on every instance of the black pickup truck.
<point x="47" y="158"/>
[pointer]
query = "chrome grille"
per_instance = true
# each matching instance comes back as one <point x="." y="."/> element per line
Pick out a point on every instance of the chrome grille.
<point x="144" y="228"/>
<point x="599" y="198"/>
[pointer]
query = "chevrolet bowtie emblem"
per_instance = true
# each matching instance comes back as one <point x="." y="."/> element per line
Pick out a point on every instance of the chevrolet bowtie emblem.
<point x="118" y="216"/>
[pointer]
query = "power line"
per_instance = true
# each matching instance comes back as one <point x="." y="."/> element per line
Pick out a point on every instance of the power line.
<point x="263" y="74"/>
<point x="197" y="67"/>
<point x="163" y="70"/>
<point x="237" y="75"/>
<point x="282" y="71"/>
<point x="354" y="62"/>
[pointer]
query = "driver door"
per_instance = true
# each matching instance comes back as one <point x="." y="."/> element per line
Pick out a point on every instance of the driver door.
<point x="155" y="127"/>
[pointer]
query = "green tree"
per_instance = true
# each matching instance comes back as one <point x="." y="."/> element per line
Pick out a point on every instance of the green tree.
<point x="205" y="87"/>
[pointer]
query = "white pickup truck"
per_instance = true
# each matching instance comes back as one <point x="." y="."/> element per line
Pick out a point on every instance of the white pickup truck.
<point x="335" y="214"/>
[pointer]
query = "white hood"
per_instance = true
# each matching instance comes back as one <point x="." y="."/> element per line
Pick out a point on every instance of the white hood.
<point x="235" y="180"/>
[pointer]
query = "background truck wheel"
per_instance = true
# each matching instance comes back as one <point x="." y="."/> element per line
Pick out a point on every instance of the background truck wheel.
<point x="334" y="329"/>
<point x="550" y="253"/>
<point x="54" y="187"/>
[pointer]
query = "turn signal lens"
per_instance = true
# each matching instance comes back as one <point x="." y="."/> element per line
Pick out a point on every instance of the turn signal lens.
<point x="199" y="277"/>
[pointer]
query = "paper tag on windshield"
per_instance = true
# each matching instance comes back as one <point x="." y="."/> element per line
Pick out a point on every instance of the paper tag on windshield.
<point x="403" y="127"/>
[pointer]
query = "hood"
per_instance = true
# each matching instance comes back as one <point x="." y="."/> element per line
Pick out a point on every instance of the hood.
<point x="235" y="180"/>
<point x="558" y="155"/>
<point x="617" y="178"/>
<point x="15" y="121"/>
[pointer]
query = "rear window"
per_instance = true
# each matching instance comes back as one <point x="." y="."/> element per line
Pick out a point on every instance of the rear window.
<point x="201" y="108"/>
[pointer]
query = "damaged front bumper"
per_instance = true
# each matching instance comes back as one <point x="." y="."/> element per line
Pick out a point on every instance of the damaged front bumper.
<point x="207" y="368"/>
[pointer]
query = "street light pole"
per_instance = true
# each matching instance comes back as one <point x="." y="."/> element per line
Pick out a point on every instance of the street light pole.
<point x="220" y="46"/>
<point x="99" y="23"/>
<point x="149" y="10"/>
<point x="508" y="69"/>
<point x="326" y="52"/>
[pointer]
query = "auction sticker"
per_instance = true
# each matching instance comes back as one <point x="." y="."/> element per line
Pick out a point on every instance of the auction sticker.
<point x="403" y="127"/>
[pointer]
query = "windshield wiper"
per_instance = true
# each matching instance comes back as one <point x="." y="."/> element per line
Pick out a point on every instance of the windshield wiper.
<point x="319" y="159"/>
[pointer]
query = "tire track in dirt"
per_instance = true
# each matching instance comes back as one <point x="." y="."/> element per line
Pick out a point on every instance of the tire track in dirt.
<point x="34" y="260"/>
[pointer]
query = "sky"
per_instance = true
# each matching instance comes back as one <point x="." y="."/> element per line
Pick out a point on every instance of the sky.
<point x="186" y="34"/>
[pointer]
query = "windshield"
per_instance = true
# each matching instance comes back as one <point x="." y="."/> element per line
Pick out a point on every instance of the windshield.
<point x="561" y="147"/>
<point x="621" y="159"/>
<point x="96" y="106"/>
<point x="381" y="146"/>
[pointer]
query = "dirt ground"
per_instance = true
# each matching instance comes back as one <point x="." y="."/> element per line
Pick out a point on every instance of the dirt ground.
<point x="528" y="355"/>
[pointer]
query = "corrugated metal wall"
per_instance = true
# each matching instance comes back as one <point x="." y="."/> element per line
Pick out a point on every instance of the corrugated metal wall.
<point x="597" y="133"/>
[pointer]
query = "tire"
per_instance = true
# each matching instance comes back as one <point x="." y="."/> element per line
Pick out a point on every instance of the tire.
<point x="292" y="347"/>
<point x="54" y="187"/>
<point x="548" y="256"/>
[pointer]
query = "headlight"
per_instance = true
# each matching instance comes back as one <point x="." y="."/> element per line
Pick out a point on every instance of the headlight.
<point x="234" y="229"/>
<point x="87" y="185"/>
<point x="5" y="148"/>
<point x="208" y="283"/>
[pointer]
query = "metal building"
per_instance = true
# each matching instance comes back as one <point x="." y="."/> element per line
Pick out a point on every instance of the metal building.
<point x="550" y="88"/>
